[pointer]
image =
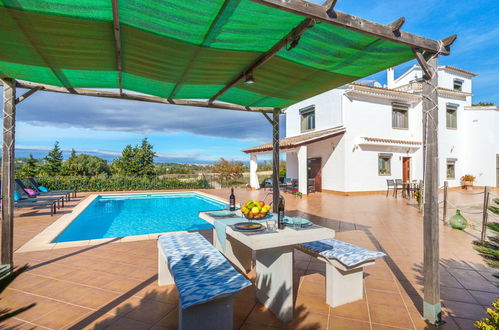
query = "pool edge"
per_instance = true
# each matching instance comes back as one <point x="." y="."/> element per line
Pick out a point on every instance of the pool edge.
<point x="43" y="240"/>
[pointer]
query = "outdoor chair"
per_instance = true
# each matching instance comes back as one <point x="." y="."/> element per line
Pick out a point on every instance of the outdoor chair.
<point x="311" y="185"/>
<point x="205" y="280"/>
<point x="390" y="184"/>
<point x="36" y="186"/>
<point x="286" y="184"/>
<point x="344" y="268"/>
<point x="399" y="185"/>
<point x="26" y="194"/>
<point x="32" y="193"/>
<point x="34" y="203"/>
<point x="267" y="183"/>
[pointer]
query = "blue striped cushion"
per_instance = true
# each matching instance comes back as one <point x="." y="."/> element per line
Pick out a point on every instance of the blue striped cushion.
<point x="347" y="254"/>
<point x="201" y="273"/>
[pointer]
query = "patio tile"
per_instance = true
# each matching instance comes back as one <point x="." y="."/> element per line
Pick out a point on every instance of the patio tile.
<point x="463" y="310"/>
<point x="484" y="298"/>
<point x="308" y="320"/>
<point x="375" y="297"/>
<point x="128" y="324"/>
<point x="260" y="315"/>
<point x="396" y="316"/>
<point x="456" y="294"/>
<point x="170" y="321"/>
<point x="150" y="311"/>
<point x="356" y="310"/>
<point x="61" y="316"/>
<point x="464" y="323"/>
<point x="379" y="284"/>
<point x="340" y="323"/>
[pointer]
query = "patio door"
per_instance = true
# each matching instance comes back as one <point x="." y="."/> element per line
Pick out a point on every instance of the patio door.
<point x="315" y="172"/>
<point x="406" y="169"/>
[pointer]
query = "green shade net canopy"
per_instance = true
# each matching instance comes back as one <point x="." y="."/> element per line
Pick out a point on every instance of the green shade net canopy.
<point x="184" y="49"/>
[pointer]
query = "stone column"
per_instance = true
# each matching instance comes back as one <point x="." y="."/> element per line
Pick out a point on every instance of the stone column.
<point x="253" y="169"/>
<point x="302" y="170"/>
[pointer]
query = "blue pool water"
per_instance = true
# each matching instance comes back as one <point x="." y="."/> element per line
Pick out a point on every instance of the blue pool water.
<point x="128" y="215"/>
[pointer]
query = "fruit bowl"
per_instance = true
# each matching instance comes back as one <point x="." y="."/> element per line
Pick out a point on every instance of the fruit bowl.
<point x="255" y="210"/>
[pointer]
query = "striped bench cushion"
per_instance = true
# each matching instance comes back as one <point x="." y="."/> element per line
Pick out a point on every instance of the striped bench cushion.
<point x="200" y="272"/>
<point x="348" y="254"/>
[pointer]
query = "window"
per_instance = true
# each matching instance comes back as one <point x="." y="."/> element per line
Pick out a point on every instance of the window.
<point x="458" y="84"/>
<point x="307" y="118"/>
<point x="400" y="115"/>
<point x="451" y="168"/>
<point x="384" y="164"/>
<point x="451" y="116"/>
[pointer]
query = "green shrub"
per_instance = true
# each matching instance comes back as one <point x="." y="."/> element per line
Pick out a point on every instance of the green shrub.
<point x="119" y="183"/>
<point x="492" y="322"/>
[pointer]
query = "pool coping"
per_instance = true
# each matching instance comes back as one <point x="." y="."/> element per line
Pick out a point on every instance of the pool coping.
<point x="43" y="240"/>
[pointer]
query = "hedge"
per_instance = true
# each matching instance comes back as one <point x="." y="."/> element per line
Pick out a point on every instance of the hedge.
<point x="83" y="183"/>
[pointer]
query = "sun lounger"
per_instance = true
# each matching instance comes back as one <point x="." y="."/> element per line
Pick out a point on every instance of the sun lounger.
<point x="25" y="197"/>
<point x="36" y="203"/>
<point x="344" y="268"/>
<point x="30" y="193"/>
<point x="205" y="280"/>
<point x="36" y="186"/>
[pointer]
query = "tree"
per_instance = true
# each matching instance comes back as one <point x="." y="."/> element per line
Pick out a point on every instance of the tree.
<point x="228" y="170"/>
<point x="53" y="161"/>
<point x="145" y="157"/>
<point x="30" y="168"/>
<point x="86" y="165"/>
<point x="483" y="104"/>
<point x="136" y="161"/>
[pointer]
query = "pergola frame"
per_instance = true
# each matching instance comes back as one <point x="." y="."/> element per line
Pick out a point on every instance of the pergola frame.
<point x="425" y="50"/>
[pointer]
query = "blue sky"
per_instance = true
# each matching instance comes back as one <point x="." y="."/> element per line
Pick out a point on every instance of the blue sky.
<point x="200" y="135"/>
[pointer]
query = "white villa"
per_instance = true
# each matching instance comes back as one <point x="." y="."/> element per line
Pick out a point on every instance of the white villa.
<point x="353" y="138"/>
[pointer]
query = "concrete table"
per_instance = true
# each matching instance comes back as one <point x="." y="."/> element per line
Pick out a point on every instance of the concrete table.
<point x="274" y="260"/>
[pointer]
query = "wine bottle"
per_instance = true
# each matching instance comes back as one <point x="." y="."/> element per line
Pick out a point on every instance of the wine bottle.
<point x="232" y="200"/>
<point x="280" y="213"/>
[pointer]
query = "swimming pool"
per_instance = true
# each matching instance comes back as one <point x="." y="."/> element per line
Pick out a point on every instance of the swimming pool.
<point x="110" y="216"/>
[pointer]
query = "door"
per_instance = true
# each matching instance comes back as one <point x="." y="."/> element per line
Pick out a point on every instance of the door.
<point x="406" y="169"/>
<point x="315" y="172"/>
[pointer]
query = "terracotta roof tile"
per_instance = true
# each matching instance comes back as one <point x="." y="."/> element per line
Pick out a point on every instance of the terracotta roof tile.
<point x="296" y="141"/>
<point x="460" y="70"/>
<point x="382" y="140"/>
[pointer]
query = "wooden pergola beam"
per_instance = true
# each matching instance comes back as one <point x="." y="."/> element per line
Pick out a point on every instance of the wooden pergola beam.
<point x="142" y="98"/>
<point x="397" y="25"/>
<point x="350" y="22"/>
<point x="431" y="250"/>
<point x="8" y="133"/>
<point x="289" y="38"/>
<point x="27" y="94"/>
<point x="117" y="43"/>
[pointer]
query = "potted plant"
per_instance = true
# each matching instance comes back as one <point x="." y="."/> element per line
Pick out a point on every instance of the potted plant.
<point x="467" y="181"/>
<point x="297" y="194"/>
<point x="383" y="171"/>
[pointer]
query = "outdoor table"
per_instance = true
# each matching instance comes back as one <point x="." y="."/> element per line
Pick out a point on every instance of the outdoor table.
<point x="274" y="259"/>
<point x="411" y="187"/>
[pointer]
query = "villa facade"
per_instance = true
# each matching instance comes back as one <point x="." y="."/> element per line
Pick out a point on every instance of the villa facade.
<point x="354" y="138"/>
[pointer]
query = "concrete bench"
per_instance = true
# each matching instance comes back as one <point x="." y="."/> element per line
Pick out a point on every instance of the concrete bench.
<point x="344" y="268"/>
<point x="205" y="280"/>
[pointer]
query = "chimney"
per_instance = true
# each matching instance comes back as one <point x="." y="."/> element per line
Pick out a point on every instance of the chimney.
<point x="390" y="77"/>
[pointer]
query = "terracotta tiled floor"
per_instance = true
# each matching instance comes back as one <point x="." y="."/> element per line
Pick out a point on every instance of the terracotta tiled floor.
<point x="113" y="285"/>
